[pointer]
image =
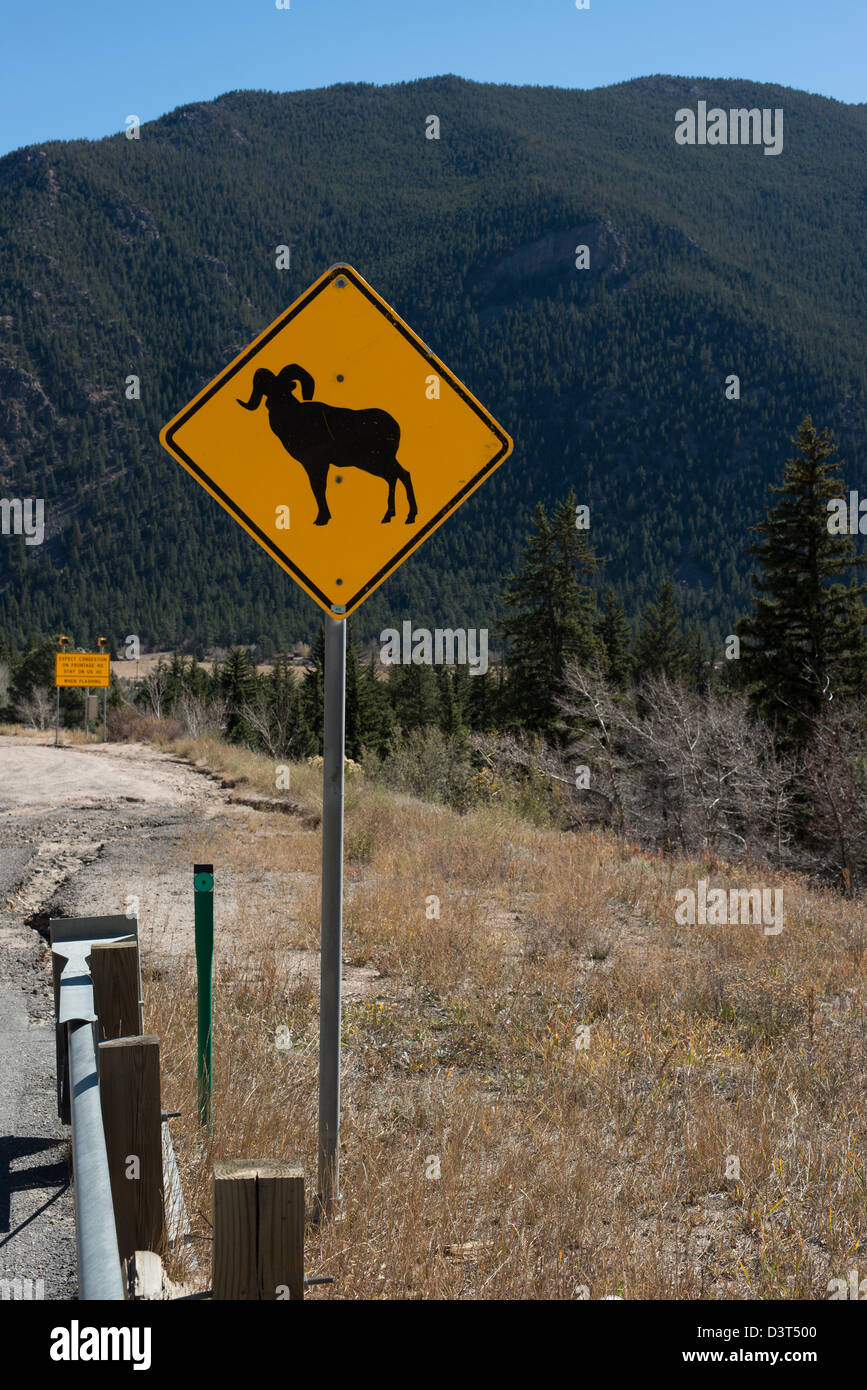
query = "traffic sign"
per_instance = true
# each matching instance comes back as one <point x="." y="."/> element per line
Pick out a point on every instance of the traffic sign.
<point x="82" y="668"/>
<point x="338" y="440"/>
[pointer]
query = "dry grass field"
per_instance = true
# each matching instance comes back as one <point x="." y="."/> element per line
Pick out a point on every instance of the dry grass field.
<point x="548" y="1091"/>
<point x="147" y="663"/>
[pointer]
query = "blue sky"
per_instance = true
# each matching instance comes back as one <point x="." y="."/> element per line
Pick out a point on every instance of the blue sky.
<point x="79" y="69"/>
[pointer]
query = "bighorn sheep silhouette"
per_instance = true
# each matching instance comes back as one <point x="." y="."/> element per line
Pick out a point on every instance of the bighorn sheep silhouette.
<point x="320" y="435"/>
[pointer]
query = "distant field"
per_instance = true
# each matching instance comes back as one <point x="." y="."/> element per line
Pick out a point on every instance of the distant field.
<point x="134" y="670"/>
<point x="702" y="1139"/>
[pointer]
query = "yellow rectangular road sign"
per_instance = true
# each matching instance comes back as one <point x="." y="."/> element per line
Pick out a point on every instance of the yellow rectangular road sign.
<point x="82" y="668"/>
<point x="336" y="414"/>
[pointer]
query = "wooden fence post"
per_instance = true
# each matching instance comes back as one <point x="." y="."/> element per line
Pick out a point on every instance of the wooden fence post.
<point x="114" y="970"/>
<point x="258" y="1230"/>
<point x="129" y="1085"/>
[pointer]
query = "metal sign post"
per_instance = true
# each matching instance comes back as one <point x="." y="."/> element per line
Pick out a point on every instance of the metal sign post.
<point x="341" y="374"/>
<point x="62" y="644"/>
<point x="86" y="711"/>
<point x="102" y="643"/>
<point x="332" y="917"/>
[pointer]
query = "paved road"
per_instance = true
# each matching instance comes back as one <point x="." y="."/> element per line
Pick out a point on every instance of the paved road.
<point x="37" y="1231"/>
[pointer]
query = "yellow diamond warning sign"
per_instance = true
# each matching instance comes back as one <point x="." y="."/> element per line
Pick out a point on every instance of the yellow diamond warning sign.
<point x="338" y="440"/>
<point x="82" y="668"/>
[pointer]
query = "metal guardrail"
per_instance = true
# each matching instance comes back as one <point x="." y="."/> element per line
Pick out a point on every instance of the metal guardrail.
<point x="101" y="1277"/>
<point x="99" y="1271"/>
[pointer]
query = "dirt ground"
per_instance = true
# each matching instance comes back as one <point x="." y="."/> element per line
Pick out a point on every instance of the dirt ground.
<point x="596" y="1168"/>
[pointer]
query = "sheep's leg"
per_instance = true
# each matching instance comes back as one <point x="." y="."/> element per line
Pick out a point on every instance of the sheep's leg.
<point x="390" y="513"/>
<point x="318" y="479"/>
<point x="403" y="474"/>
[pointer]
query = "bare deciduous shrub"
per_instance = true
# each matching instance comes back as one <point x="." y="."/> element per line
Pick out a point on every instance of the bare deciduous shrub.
<point x="38" y="710"/>
<point x="835" y="769"/>
<point x="155" y="686"/>
<point x="273" y="723"/>
<point x="683" y="770"/>
<point x="127" y="724"/>
<point x="200" y="717"/>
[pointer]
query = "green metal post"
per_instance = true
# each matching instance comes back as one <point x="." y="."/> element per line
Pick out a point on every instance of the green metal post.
<point x="203" y="884"/>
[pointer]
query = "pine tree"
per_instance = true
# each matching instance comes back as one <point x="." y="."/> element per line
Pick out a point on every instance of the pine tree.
<point x="614" y="633"/>
<point x="36" y="668"/>
<point x="698" y="661"/>
<point x="462" y="684"/>
<point x="354" y="731"/>
<point x="414" y="696"/>
<point x="553" y="619"/>
<point x="281" y="695"/>
<point x="238" y="683"/>
<point x="304" y="742"/>
<point x="660" y="649"/>
<point x="482" y="703"/>
<point x="313" y="690"/>
<point x="177" y="679"/>
<point x="804" y="642"/>
<point x="198" y="681"/>
<point x="451" y="718"/>
<point x="377" y="715"/>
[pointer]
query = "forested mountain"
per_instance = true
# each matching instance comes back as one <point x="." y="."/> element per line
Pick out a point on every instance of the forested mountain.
<point x="155" y="257"/>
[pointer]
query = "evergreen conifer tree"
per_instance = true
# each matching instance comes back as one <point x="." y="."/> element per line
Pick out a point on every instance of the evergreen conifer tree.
<point x="660" y="649"/>
<point x="238" y="684"/>
<point x="313" y="690"/>
<point x="804" y="641"/>
<point x="614" y="633"/>
<point x="414" y="696"/>
<point x="377" y="715"/>
<point x="698" y="661"/>
<point x="462" y="684"/>
<point x="481" y="705"/>
<point x="354" y="734"/>
<point x="552" y="619"/>
<point x="304" y="742"/>
<point x="450" y="719"/>
<point x="176" y="683"/>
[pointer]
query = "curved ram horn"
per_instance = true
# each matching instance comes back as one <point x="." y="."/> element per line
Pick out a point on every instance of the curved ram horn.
<point x="304" y="379"/>
<point x="263" y="384"/>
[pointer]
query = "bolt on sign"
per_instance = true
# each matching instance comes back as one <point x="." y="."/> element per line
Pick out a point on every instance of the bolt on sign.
<point x="82" y="668"/>
<point x="338" y="440"/>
